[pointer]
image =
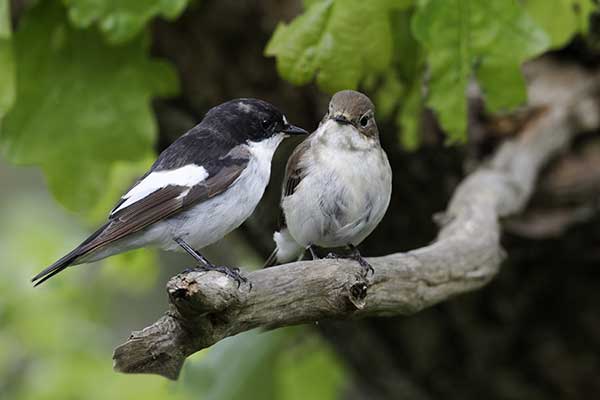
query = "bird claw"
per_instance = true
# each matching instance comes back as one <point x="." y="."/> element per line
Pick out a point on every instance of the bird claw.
<point x="354" y="255"/>
<point x="232" y="272"/>
<point x="365" y="266"/>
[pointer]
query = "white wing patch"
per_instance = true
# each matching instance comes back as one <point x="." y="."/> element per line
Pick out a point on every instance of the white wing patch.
<point x="188" y="175"/>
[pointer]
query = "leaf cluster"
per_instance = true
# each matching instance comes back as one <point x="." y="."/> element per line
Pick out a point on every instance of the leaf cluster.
<point x="416" y="53"/>
<point x="76" y="83"/>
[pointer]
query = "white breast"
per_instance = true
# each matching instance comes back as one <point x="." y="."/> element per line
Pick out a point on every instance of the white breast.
<point x="209" y="221"/>
<point x="346" y="190"/>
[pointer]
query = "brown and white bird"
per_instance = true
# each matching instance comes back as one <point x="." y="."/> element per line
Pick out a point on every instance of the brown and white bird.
<point x="337" y="184"/>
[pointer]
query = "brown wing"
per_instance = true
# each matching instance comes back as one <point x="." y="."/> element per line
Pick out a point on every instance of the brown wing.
<point x="294" y="173"/>
<point x="293" y="170"/>
<point x="160" y="205"/>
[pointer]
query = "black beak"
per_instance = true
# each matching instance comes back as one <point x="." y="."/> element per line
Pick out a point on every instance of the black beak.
<point x="293" y="130"/>
<point x="341" y="120"/>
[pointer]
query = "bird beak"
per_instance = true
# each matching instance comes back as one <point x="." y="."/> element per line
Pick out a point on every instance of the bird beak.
<point x="293" y="130"/>
<point x="341" y="119"/>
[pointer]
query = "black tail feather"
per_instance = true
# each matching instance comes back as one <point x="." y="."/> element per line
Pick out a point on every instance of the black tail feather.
<point x="68" y="259"/>
<point x="55" y="268"/>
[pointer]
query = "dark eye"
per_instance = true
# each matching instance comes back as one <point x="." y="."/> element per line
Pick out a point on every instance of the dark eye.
<point x="364" y="120"/>
<point x="266" y="124"/>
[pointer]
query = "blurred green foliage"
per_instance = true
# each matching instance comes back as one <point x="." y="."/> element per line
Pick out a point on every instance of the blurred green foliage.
<point x="7" y="65"/>
<point x="56" y="341"/>
<point x="343" y="43"/>
<point x="286" y="364"/>
<point x="462" y="38"/>
<point x="121" y="20"/>
<point x="81" y="104"/>
<point x="562" y="18"/>
<point x="330" y="35"/>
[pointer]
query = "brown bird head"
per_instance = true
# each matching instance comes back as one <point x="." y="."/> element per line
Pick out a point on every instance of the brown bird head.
<point x="354" y="108"/>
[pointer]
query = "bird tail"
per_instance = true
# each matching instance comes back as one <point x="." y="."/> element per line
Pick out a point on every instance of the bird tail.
<point x="67" y="260"/>
<point x="57" y="267"/>
<point x="286" y="249"/>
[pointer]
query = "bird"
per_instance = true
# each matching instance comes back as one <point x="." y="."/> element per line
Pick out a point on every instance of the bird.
<point x="201" y="187"/>
<point x="337" y="184"/>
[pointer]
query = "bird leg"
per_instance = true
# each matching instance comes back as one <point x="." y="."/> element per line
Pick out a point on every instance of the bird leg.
<point x="355" y="255"/>
<point x="233" y="273"/>
<point x="313" y="253"/>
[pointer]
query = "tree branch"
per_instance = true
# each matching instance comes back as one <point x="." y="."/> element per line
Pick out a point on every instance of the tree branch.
<point x="207" y="306"/>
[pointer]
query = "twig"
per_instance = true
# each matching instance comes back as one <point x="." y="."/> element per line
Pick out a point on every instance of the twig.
<point x="207" y="306"/>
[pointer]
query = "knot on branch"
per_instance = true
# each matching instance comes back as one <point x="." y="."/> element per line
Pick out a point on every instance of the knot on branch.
<point x="358" y="294"/>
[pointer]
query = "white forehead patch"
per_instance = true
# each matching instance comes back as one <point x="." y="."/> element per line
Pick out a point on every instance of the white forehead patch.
<point x="188" y="175"/>
<point x="245" y="108"/>
<point x="285" y="121"/>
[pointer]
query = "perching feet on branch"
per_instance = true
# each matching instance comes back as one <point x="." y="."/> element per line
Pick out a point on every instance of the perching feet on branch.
<point x="232" y="272"/>
<point x="205" y="265"/>
<point x="354" y="255"/>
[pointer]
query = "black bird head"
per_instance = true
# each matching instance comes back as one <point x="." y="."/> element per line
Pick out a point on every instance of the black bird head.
<point x="251" y="120"/>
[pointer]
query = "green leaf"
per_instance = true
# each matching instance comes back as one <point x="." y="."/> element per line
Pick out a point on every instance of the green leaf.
<point x="338" y="41"/>
<point x="467" y="37"/>
<point x="121" y="20"/>
<point x="7" y="66"/>
<point x="81" y="104"/>
<point x="563" y="19"/>
<point x="408" y="56"/>
<point x="503" y="84"/>
<point x="388" y="95"/>
<point x="409" y="118"/>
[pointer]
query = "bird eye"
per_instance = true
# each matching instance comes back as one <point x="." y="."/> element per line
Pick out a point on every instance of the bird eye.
<point x="266" y="124"/>
<point x="364" y="120"/>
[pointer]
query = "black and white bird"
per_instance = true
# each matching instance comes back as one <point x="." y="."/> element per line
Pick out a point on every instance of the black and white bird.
<point x="337" y="184"/>
<point x="200" y="188"/>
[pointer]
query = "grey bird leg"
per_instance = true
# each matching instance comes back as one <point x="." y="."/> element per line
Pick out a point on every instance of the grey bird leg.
<point x="355" y="255"/>
<point x="313" y="253"/>
<point x="233" y="273"/>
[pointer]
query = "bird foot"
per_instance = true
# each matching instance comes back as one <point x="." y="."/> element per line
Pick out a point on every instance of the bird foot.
<point x="366" y="267"/>
<point x="232" y="272"/>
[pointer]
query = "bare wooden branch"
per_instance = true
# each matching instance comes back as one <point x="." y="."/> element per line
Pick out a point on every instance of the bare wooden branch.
<point x="207" y="306"/>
